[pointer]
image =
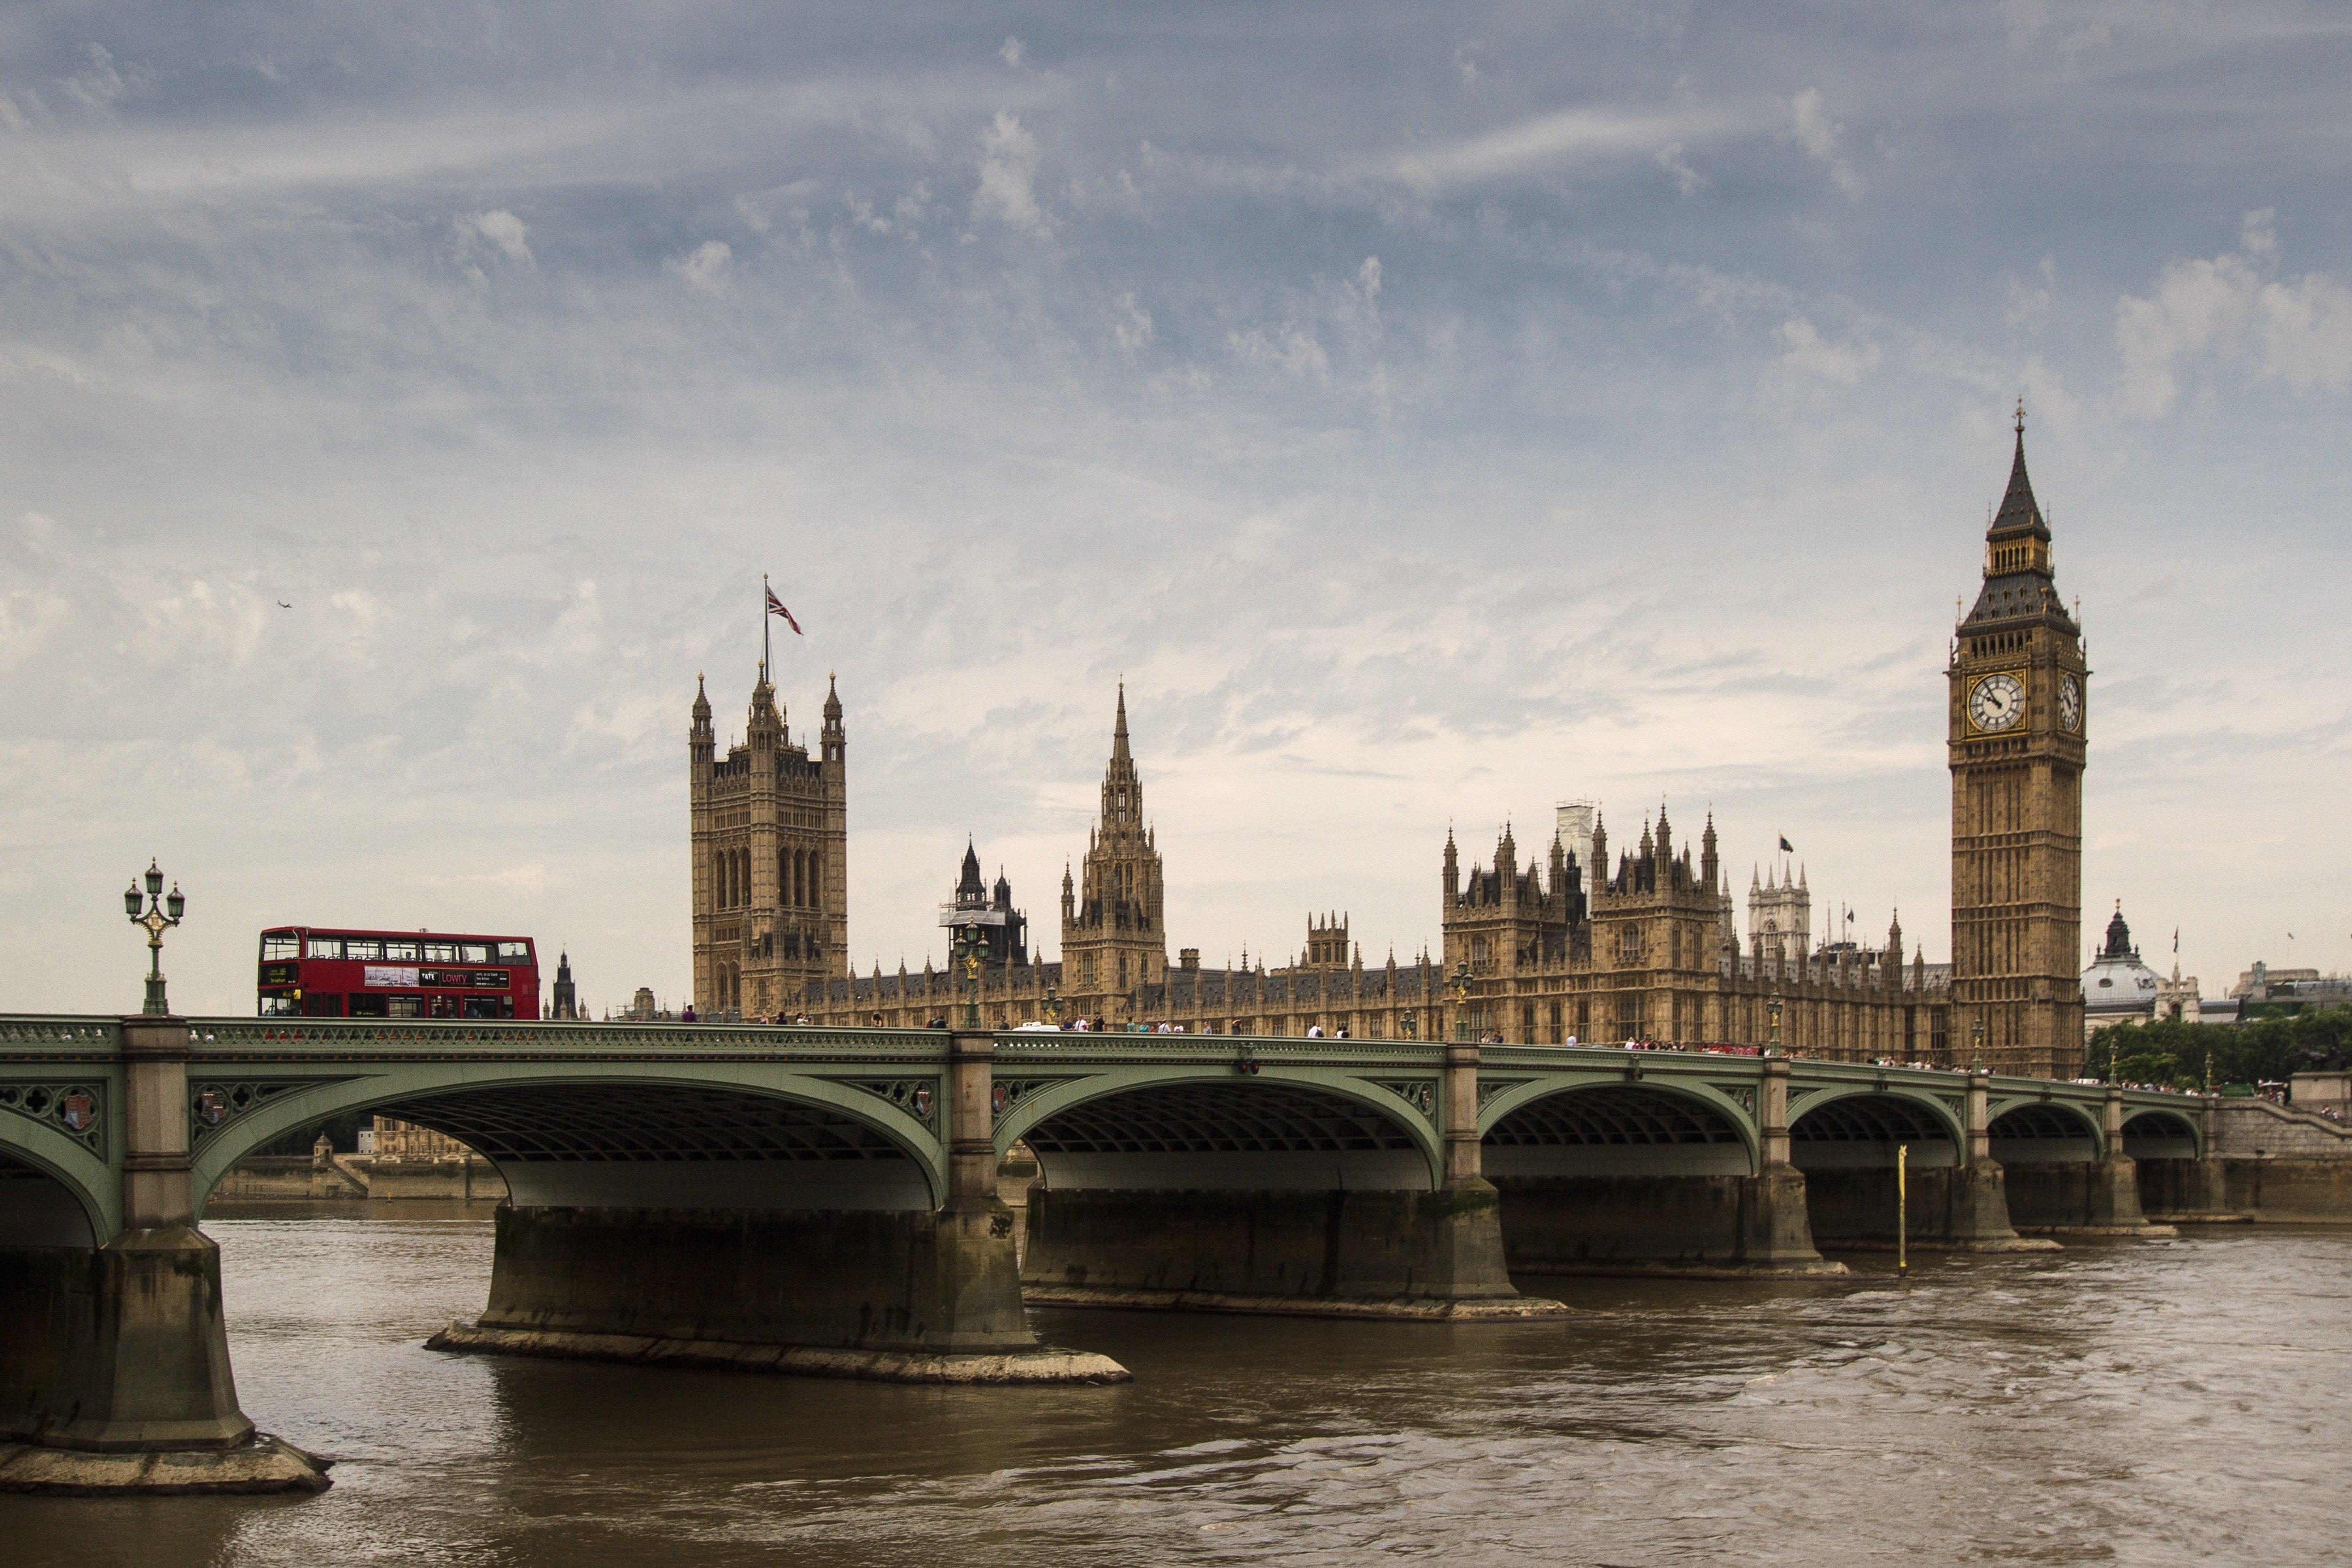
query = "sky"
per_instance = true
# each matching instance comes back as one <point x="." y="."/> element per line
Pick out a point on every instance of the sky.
<point x="1432" y="414"/>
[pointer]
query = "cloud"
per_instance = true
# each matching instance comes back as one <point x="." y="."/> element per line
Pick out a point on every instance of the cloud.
<point x="707" y="267"/>
<point x="2029" y="302"/>
<point x="1806" y="350"/>
<point x="1818" y="134"/>
<point x="2258" y="232"/>
<point x="1012" y="53"/>
<point x="2228" y="310"/>
<point x="501" y="229"/>
<point x="1564" y="136"/>
<point x="763" y="210"/>
<point x="1008" y="176"/>
<point x="1670" y="157"/>
<point x="101" y="84"/>
<point x="1466" y="66"/>
<point x="1286" y="347"/>
<point x="1130" y="326"/>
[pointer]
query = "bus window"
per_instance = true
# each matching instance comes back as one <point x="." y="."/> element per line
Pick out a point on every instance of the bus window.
<point x="366" y="1006"/>
<point x="325" y="948"/>
<point x="440" y="953"/>
<point x="282" y="1006"/>
<point x="322" y="1007"/>
<point x="490" y="1008"/>
<point x="366" y="949"/>
<point x="405" y="1007"/>
<point x="474" y="952"/>
<point x="514" y="953"/>
<point x="402" y="952"/>
<point x="280" y="945"/>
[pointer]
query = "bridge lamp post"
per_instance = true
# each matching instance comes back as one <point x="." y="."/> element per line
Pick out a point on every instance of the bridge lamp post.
<point x="159" y="914"/>
<point x="1461" y="988"/>
<point x="969" y="945"/>
<point x="1772" y="1013"/>
<point x="1976" y="1045"/>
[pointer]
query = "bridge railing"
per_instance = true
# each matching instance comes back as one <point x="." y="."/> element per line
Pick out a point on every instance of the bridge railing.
<point x="59" y="1032"/>
<point x="39" y="1034"/>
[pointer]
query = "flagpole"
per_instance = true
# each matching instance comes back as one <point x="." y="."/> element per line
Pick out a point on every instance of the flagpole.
<point x="765" y="651"/>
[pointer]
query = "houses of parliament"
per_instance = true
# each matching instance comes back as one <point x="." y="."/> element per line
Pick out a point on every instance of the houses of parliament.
<point x="1560" y="944"/>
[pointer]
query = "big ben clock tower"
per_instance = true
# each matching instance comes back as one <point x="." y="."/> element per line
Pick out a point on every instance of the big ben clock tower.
<point x="2016" y="728"/>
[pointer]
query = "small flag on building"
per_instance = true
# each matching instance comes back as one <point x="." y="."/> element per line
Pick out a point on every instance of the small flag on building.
<point x="1786" y="847"/>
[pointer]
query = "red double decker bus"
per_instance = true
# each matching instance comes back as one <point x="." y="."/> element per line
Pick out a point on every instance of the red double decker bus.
<point x="316" y="972"/>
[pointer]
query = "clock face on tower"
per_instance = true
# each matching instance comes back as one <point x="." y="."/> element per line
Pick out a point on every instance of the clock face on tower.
<point x="1997" y="703"/>
<point x="2070" y="703"/>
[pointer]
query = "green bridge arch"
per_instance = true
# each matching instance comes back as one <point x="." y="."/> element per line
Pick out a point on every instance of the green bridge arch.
<point x="1519" y="1096"/>
<point x="1803" y="1104"/>
<point x="1044" y="1094"/>
<point x="93" y="1182"/>
<point x="385" y="1090"/>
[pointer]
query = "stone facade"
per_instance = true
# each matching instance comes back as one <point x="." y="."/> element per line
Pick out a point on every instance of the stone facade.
<point x="1779" y="915"/>
<point x="2016" y="727"/>
<point x="770" y="847"/>
<point x="1652" y="955"/>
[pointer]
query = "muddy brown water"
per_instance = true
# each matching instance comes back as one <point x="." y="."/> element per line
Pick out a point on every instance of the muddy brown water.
<point x="2114" y="1403"/>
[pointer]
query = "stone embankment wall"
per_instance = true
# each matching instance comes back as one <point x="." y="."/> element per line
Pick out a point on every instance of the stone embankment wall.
<point x="2282" y="1164"/>
<point x="294" y="1178"/>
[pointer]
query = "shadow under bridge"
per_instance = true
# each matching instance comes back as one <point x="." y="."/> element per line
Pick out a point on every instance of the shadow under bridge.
<point x="669" y="1146"/>
<point x="1246" y="1190"/>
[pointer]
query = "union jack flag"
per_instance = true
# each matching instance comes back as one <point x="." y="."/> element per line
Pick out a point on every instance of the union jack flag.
<point x="776" y="607"/>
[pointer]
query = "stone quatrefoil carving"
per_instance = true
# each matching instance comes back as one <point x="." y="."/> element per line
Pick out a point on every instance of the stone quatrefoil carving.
<point x="77" y="1109"/>
<point x="918" y="1097"/>
<point x="1421" y="1093"/>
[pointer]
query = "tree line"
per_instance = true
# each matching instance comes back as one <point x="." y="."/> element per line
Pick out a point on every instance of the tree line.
<point x="2175" y="1054"/>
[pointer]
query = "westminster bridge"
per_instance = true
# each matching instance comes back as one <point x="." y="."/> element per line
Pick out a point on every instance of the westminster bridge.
<point x="824" y="1201"/>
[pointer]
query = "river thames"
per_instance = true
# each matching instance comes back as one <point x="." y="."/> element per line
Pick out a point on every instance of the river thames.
<point x="2132" y="1403"/>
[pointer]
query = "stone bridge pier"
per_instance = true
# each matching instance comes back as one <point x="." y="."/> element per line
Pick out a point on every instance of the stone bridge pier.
<point x="2073" y="1176"/>
<point x="1953" y="1190"/>
<point x="820" y="1253"/>
<point x="1651" y="1173"/>
<point x="114" y="1367"/>
<point x="1226" y="1183"/>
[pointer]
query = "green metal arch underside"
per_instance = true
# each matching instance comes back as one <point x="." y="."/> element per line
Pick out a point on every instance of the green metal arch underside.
<point x="95" y="1186"/>
<point x="1519" y="1096"/>
<point x="2188" y="1124"/>
<point x="383" y="1090"/>
<point x="1814" y="1100"/>
<point x="1338" y="1082"/>
<point x="2094" y="1127"/>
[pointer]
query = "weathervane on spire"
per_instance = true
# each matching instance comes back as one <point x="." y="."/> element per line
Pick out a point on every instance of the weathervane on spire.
<point x="2020" y="413"/>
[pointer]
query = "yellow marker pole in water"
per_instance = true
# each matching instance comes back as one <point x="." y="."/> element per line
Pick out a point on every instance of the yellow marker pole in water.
<point x="1902" y="1210"/>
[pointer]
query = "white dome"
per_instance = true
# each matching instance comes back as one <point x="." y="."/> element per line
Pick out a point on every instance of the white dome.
<point x="2123" y="984"/>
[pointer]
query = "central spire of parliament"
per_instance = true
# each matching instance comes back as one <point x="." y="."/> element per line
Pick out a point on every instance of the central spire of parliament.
<point x="1114" y="929"/>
